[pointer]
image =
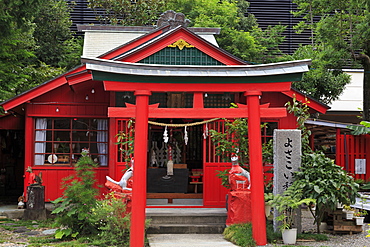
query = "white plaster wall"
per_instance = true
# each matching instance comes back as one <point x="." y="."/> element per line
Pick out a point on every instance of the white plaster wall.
<point x="352" y="97"/>
<point x="99" y="42"/>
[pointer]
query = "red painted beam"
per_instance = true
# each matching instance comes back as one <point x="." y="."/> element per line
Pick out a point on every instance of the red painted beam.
<point x="197" y="113"/>
<point x="40" y="90"/>
<point x="197" y="87"/>
<point x="79" y="77"/>
<point x="316" y="105"/>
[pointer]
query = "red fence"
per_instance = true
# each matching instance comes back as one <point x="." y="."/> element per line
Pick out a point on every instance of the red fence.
<point x="350" y="148"/>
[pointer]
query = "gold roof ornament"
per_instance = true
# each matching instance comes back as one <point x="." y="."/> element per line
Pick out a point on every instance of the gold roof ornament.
<point x="181" y="44"/>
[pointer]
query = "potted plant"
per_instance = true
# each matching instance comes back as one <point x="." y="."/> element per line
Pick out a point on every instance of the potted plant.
<point x="359" y="217"/>
<point x="348" y="212"/>
<point x="287" y="204"/>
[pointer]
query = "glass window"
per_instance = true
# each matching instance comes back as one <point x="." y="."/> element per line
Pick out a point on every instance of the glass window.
<point x="59" y="141"/>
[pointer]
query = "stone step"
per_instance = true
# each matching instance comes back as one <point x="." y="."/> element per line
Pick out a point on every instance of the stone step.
<point x="186" y="221"/>
<point x="183" y="219"/>
<point x="186" y="228"/>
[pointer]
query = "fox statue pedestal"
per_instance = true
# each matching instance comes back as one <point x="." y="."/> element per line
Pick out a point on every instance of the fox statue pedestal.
<point x="35" y="206"/>
<point x="239" y="198"/>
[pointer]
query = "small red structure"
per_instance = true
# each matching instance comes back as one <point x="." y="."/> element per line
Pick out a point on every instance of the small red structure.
<point x="239" y="198"/>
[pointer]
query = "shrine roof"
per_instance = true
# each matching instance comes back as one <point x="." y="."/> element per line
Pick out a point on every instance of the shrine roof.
<point x="138" y="69"/>
<point x="100" y="40"/>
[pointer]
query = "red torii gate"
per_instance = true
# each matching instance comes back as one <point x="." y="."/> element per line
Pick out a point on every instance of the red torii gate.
<point x="127" y="77"/>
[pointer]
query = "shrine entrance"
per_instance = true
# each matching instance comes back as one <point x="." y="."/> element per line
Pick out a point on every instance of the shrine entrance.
<point x="176" y="143"/>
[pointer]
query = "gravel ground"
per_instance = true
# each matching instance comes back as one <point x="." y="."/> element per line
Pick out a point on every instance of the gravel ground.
<point x="19" y="237"/>
<point x="345" y="240"/>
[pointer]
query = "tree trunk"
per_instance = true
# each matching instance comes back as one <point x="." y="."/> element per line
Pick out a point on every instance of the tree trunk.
<point x="366" y="87"/>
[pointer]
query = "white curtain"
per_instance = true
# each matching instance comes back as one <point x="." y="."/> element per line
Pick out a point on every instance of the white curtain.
<point x="102" y="138"/>
<point x="40" y="138"/>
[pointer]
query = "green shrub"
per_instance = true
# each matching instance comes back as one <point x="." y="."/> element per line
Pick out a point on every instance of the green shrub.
<point x="240" y="234"/>
<point x="113" y="224"/>
<point x="74" y="209"/>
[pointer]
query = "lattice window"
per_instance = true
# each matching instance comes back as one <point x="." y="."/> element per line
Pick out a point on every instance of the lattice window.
<point x="161" y="98"/>
<point x="175" y="56"/>
<point x="218" y="100"/>
<point x="60" y="141"/>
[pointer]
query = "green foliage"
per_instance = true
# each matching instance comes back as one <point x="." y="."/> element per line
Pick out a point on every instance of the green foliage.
<point x="233" y="141"/>
<point x="240" y="234"/>
<point x="15" y="14"/>
<point x="113" y="224"/>
<point x="326" y="80"/>
<point x="287" y="203"/>
<point x="313" y="236"/>
<point x="326" y="182"/>
<point x="29" y="41"/>
<point x="272" y="236"/>
<point x="240" y="34"/>
<point x="127" y="12"/>
<point x="56" y="45"/>
<point x="74" y="211"/>
<point x="301" y="112"/>
<point x="224" y="176"/>
<point x="360" y="130"/>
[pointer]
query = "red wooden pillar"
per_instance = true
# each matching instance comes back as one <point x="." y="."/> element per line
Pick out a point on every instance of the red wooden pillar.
<point x="139" y="186"/>
<point x="256" y="168"/>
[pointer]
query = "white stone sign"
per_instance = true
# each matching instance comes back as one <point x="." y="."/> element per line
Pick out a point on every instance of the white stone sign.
<point x="360" y="166"/>
<point x="287" y="160"/>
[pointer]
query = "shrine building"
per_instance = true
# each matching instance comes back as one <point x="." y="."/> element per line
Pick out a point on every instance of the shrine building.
<point x="169" y="85"/>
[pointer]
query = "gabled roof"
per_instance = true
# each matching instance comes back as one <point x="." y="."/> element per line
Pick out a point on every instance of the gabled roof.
<point x="141" y="49"/>
<point x="41" y="89"/>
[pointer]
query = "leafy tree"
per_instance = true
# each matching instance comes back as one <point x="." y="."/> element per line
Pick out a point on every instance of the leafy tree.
<point x="323" y="81"/>
<point x="128" y="12"/>
<point x="56" y="45"/>
<point x="240" y="34"/>
<point x="24" y="60"/>
<point x="16" y="14"/>
<point x="342" y="26"/>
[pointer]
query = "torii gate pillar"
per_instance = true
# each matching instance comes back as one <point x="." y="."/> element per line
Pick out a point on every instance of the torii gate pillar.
<point x="256" y="168"/>
<point x="137" y="228"/>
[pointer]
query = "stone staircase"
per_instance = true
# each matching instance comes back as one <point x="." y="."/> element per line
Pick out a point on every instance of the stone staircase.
<point x="186" y="220"/>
